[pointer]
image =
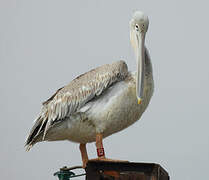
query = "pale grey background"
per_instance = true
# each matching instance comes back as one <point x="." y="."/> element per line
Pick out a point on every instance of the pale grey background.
<point x="45" y="44"/>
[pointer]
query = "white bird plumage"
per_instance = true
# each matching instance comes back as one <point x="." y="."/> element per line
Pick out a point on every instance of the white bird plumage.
<point x="101" y="101"/>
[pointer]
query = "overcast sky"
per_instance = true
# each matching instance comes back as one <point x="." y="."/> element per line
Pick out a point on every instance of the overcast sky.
<point x="44" y="44"/>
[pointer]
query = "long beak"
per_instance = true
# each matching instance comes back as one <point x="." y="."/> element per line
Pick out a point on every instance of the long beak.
<point x="140" y="66"/>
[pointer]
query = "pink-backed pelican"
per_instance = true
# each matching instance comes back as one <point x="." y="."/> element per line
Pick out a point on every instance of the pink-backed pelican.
<point x="100" y="102"/>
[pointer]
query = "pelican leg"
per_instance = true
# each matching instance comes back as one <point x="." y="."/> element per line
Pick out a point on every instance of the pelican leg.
<point x="84" y="154"/>
<point x="100" y="148"/>
<point x="101" y="152"/>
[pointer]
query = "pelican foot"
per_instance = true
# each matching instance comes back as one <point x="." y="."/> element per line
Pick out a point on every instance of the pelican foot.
<point x="85" y="161"/>
<point x="107" y="160"/>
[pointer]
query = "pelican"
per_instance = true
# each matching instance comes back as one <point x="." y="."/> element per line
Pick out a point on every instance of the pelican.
<point x="100" y="102"/>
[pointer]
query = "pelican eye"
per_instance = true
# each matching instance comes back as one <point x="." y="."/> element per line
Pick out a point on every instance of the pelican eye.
<point x="137" y="27"/>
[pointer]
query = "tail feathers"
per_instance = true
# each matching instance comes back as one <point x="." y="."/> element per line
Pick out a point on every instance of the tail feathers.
<point x="35" y="133"/>
<point x="28" y="147"/>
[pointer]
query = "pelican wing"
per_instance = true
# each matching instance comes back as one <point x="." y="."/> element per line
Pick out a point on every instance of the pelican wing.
<point x="76" y="94"/>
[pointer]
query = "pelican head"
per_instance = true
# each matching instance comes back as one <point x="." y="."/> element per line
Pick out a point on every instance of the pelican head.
<point x="138" y="28"/>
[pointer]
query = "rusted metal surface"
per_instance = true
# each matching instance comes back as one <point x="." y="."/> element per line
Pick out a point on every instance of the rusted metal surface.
<point x="97" y="170"/>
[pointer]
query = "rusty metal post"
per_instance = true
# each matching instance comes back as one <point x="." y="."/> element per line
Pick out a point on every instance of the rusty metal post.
<point x="97" y="170"/>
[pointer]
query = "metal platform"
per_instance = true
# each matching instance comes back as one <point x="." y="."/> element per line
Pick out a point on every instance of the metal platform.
<point x="97" y="170"/>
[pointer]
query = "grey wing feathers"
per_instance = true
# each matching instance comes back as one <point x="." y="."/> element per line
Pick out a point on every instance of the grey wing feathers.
<point x="76" y="94"/>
